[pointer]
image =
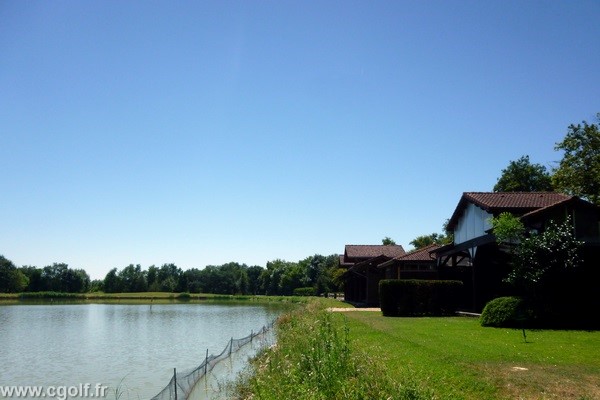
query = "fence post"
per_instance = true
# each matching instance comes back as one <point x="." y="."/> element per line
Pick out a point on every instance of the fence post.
<point x="206" y="362"/>
<point x="175" y="381"/>
<point x="230" y="345"/>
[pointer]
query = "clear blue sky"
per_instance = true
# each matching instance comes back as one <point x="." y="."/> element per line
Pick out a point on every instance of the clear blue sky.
<point x="205" y="132"/>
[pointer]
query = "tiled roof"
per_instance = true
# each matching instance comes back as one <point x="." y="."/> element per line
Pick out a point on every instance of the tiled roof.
<point x="532" y="200"/>
<point x="371" y="251"/>
<point x="515" y="202"/>
<point x="421" y="254"/>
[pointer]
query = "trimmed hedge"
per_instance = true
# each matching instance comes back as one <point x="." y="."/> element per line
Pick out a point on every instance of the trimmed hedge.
<point x="505" y="312"/>
<point x="415" y="297"/>
<point x="51" y="295"/>
<point x="305" y="291"/>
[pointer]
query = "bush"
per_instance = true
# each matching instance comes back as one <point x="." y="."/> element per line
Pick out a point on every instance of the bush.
<point x="51" y="295"/>
<point x="305" y="291"/>
<point x="185" y="296"/>
<point x="506" y="312"/>
<point x="413" y="297"/>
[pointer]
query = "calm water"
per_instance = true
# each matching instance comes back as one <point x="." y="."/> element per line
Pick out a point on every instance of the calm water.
<point x="65" y="345"/>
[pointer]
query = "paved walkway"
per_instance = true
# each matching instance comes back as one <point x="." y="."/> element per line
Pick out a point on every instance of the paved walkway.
<point x="350" y="309"/>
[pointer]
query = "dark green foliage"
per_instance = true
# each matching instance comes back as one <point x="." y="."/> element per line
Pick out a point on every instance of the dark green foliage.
<point x="12" y="280"/>
<point x="508" y="312"/>
<point x="539" y="258"/>
<point x="52" y="295"/>
<point x="579" y="170"/>
<point x="305" y="291"/>
<point x="413" y="297"/>
<point x="184" y="296"/>
<point x="425" y="240"/>
<point x="522" y="176"/>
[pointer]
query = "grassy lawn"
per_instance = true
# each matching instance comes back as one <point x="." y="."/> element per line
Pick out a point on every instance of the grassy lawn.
<point x="458" y="359"/>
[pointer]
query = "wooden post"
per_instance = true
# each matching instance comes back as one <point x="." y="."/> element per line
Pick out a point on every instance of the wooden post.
<point x="230" y="345"/>
<point x="175" y="381"/>
<point x="206" y="362"/>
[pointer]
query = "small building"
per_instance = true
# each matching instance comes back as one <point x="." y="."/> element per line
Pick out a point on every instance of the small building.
<point x="362" y="274"/>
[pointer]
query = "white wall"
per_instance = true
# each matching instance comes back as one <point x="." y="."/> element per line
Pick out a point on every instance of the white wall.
<point x="473" y="223"/>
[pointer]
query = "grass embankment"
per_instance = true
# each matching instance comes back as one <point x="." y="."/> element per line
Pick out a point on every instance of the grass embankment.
<point x="147" y="297"/>
<point x="365" y="355"/>
<point x="458" y="359"/>
<point x="315" y="359"/>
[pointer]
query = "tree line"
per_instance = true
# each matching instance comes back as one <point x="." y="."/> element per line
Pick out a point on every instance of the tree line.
<point x="319" y="274"/>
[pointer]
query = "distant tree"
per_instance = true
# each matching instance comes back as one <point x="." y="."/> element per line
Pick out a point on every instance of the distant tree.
<point x="387" y="241"/>
<point x="578" y="173"/>
<point x="97" y="285"/>
<point x="133" y="279"/>
<point x="152" y="279"/>
<point x="522" y="176"/>
<point x="434" y="238"/>
<point x="254" y="279"/>
<point x="12" y="280"/>
<point x="193" y="280"/>
<point x="34" y="275"/>
<point x="112" y="282"/>
<point x="168" y="277"/>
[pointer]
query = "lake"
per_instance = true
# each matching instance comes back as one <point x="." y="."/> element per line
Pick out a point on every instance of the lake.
<point x="135" y="345"/>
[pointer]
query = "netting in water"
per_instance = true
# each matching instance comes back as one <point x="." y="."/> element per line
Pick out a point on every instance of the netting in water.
<point x="182" y="383"/>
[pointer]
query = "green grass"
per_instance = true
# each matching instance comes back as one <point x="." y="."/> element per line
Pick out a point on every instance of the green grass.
<point x="459" y="359"/>
<point x="314" y="359"/>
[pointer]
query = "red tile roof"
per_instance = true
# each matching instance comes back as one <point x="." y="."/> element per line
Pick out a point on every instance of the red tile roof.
<point x="371" y="251"/>
<point x="532" y="200"/>
<point x="515" y="202"/>
<point x="421" y="254"/>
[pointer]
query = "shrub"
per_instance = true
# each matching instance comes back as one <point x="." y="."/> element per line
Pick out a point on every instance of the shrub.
<point x="305" y="291"/>
<point x="412" y="297"/>
<point x="51" y="295"/>
<point x="508" y="312"/>
<point x="185" y="296"/>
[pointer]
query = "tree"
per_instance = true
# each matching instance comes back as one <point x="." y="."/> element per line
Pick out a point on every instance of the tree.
<point x="387" y="241"/>
<point x="578" y="173"/>
<point x="425" y="240"/>
<point x="12" y="280"/>
<point x="507" y="228"/>
<point x="538" y="258"/>
<point x="522" y="176"/>
<point x="541" y="257"/>
<point x="112" y="282"/>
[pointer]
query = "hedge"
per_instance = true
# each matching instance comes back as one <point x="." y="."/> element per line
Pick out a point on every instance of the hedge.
<point x="305" y="291"/>
<point x="415" y="297"/>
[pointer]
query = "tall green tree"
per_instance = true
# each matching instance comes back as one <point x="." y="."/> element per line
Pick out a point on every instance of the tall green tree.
<point x="578" y="172"/>
<point x="12" y="280"/>
<point x="523" y="176"/>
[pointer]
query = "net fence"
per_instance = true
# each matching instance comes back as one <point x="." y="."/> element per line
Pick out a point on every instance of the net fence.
<point x="182" y="383"/>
